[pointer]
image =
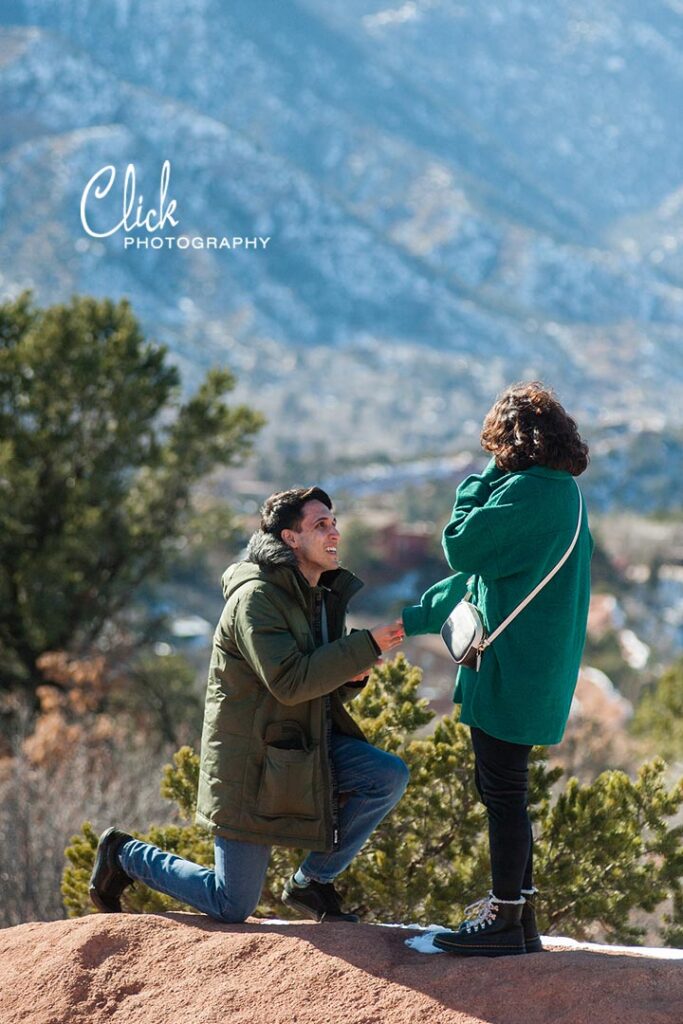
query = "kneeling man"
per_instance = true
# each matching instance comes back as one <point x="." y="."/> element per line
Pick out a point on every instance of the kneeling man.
<point x="282" y="761"/>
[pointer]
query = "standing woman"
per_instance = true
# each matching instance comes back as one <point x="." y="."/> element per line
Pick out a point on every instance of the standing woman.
<point x="508" y="530"/>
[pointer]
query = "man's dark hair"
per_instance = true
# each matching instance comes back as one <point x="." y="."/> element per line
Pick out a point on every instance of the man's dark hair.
<point x="527" y="426"/>
<point x="284" y="510"/>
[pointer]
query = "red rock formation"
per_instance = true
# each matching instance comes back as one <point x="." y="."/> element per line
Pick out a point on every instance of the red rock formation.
<point x="187" y="969"/>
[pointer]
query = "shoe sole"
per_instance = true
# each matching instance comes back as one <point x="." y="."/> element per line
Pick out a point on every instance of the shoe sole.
<point x="301" y="908"/>
<point x="470" y="950"/>
<point x="102" y="906"/>
<point x="311" y="914"/>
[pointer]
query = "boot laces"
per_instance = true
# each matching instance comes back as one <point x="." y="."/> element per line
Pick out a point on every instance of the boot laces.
<point x="483" y="911"/>
<point x="473" y="910"/>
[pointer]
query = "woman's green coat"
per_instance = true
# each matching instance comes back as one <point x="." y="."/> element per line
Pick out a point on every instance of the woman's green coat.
<point x="507" y="531"/>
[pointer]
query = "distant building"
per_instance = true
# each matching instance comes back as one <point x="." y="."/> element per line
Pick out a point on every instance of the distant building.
<point x="404" y="546"/>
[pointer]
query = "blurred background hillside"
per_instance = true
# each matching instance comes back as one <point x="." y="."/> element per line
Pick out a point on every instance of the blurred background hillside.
<point x="456" y="196"/>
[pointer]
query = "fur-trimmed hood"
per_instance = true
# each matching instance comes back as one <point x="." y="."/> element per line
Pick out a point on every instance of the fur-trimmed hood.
<point x="268" y="558"/>
<point x="266" y="550"/>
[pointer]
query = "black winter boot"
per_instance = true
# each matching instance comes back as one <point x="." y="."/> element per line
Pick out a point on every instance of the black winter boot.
<point x="532" y="940"/>
<point x="317" y="900"/>
<point x="495" y="931"/>
<point x="108" y="879"/>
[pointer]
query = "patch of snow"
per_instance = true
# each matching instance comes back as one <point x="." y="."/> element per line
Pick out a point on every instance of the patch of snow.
<point x="423" y="944"/>
<point x="657" y="952"/>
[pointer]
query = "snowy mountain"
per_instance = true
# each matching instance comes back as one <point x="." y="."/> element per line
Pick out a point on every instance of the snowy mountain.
<point x="454" y="196"/>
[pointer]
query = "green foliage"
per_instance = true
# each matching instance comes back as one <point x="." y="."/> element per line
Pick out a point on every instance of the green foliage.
<point x="81" y="856"/>
<point x="602" y="850"/>
<point x="606" y="848"/>
<point x="181" y="780"/>
<point x="99" y="455"/>
<point x="659" y="717"/>
<point x="389" y="708"/>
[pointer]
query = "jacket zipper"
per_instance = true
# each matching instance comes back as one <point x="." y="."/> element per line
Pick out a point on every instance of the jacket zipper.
<point x="333" y="778"/>
<point x="327" y="710"/>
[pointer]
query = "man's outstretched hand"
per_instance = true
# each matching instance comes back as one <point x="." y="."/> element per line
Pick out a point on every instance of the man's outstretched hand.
<point x="388" y="637"/>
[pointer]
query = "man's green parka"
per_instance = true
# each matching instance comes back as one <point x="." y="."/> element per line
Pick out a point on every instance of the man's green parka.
<point x="507" y="531"/>
<point x="274" y="692"/>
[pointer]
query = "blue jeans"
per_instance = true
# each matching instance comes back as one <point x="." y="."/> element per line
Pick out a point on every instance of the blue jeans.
<point x="373" y="782"/>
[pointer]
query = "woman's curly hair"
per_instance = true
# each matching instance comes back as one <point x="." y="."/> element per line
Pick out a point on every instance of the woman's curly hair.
<point x="527" y="426"/>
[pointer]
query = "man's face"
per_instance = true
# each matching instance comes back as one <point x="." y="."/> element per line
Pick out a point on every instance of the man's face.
<point x="315" y="542"/>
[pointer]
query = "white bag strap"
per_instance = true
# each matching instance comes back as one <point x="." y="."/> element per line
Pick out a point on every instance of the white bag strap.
<point x="520" y="607"/>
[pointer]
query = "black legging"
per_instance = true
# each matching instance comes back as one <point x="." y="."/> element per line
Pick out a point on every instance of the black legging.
<point x="501" y="775"/>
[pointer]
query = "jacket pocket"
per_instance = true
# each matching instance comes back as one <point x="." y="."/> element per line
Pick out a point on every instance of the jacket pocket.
<point x="287" y="785"/>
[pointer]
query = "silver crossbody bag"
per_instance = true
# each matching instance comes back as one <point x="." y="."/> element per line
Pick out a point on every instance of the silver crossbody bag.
<point x="463" y="631"/>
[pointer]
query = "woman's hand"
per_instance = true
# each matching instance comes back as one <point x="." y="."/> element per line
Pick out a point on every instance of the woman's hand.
<point x="390" y="636"/>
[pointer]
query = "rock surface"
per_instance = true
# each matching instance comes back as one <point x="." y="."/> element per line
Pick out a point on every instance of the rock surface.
<point x="187" y="969"/>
